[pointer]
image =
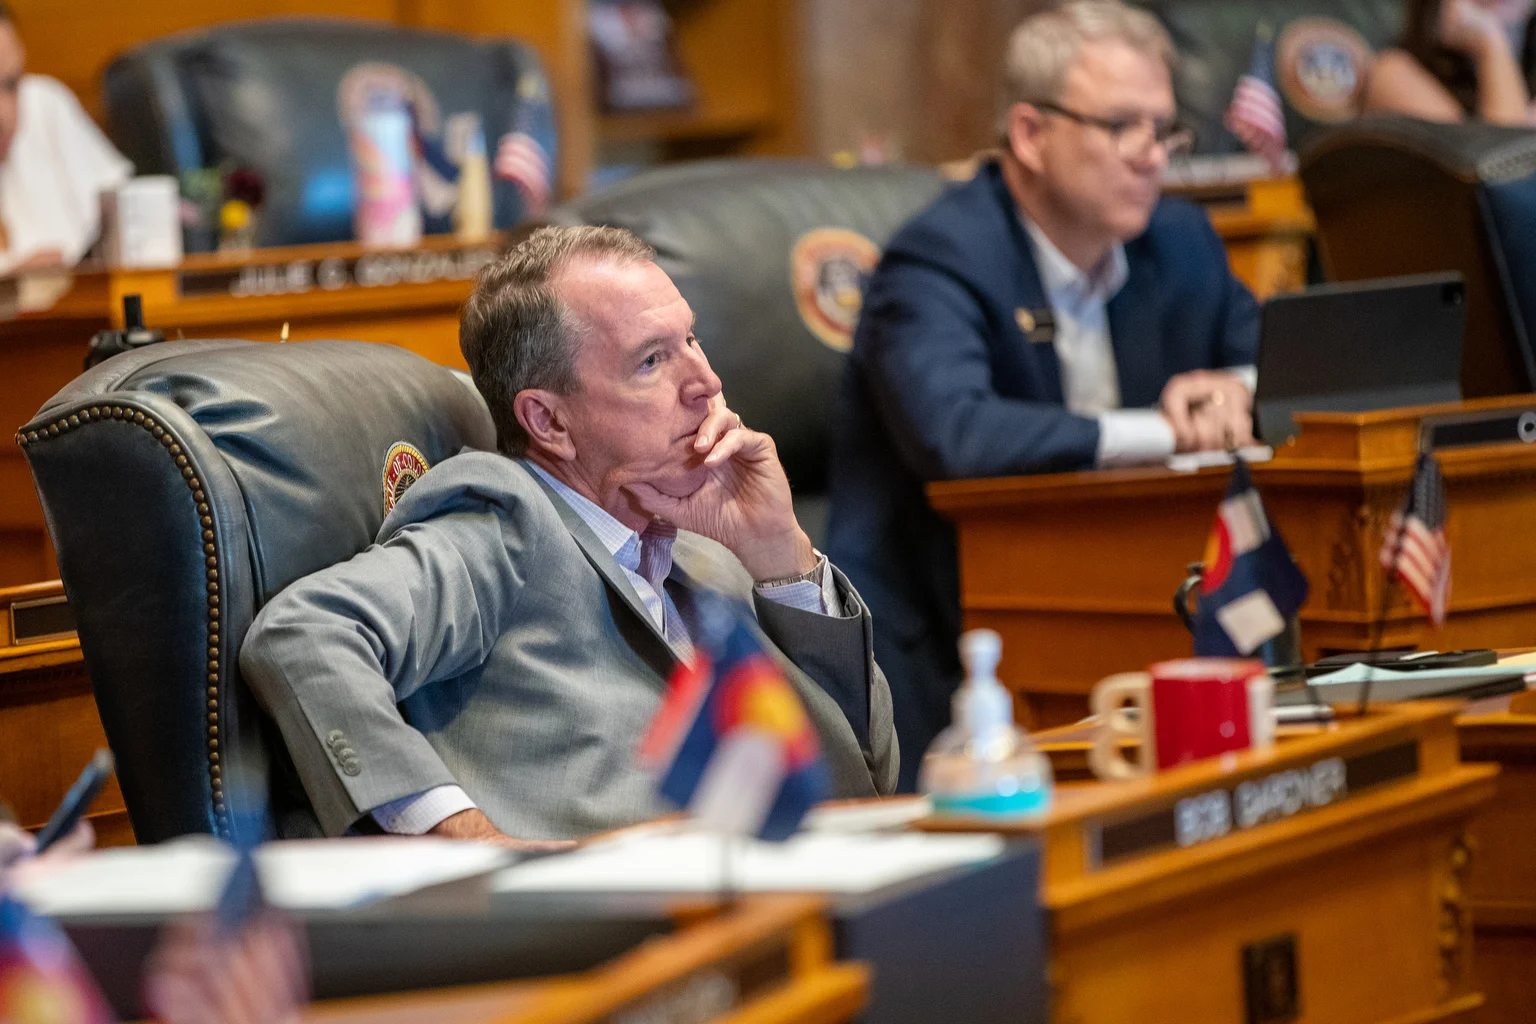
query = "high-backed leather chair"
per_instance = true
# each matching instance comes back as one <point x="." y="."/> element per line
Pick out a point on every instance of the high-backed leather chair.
<point x="186" y="483"/>
<point x="268" y="95"/>
<point x="1398" y="196"/>
<point x="1317" y="65"/>
<point x="772" y="255"/>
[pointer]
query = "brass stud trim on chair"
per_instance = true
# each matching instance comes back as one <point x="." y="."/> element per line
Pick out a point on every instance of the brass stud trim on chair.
<point x="63" y="424"/>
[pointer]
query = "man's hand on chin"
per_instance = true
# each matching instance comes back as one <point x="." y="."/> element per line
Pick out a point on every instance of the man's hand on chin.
<point x="473" y="824"/>
<point x="743" y="503"/>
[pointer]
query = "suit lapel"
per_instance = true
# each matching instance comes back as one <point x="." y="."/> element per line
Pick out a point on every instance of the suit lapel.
<point x="1032" y="299"/>
<point x="1029" y="296"/>
<point x="605" y="564"/>
<point x="1135" y="319"/>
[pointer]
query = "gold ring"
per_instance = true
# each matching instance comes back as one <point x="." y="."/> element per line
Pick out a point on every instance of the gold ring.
<point x="1217" y="398"/>
<point x="738" y="421"/>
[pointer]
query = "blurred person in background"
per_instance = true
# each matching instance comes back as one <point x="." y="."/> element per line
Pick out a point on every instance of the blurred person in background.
<point x="54" y="165"/>
<point x="1459" y="60"/>
<point x="1054" y="313"/>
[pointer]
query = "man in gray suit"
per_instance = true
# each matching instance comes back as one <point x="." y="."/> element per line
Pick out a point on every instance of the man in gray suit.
<point x="487" y="667"/>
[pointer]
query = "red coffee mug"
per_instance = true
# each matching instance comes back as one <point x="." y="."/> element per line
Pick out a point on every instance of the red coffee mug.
<point x="1186" y="710"/>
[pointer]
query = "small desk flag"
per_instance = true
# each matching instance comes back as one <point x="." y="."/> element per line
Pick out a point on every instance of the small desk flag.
<point x="42" y="980"/>
<point x="1255" y="115"/>
<point x="732" y="743"/>
<point x="1415" y="547"/>
<point x="1251" y="586"/>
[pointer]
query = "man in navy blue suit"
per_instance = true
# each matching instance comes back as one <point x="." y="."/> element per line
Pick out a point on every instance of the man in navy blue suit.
<point x="1054" y="313"/>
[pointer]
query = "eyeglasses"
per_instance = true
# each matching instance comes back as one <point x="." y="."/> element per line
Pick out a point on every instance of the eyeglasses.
<point x="1133" y="137"/>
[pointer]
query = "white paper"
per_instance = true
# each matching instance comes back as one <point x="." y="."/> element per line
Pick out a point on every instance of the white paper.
<point x="187" y="875"/>
<point x="1189" y="462"/>
<point x="686" y="861"/>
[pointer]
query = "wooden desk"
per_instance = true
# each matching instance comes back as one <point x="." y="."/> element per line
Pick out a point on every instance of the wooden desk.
<point x="49" y="727"/>
<point x="1364" y="885"/>
<point x="1266" y="230"/>
<point x="1077" y="570"/>
<point x="1502" y="893"/>
<point x="406" y="298"/>
<point x="767" y="960"/>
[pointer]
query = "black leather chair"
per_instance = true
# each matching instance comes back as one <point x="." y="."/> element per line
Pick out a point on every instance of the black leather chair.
<point x="183" y="485"/>
<point x="265" y="95"/>
<point x="772" y="256"/>
<point x="1215" y="38"/>
<point x="1398" y="196"/>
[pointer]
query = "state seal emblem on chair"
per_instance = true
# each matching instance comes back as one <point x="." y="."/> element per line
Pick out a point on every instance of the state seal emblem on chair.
<point x="828" y="269"/>
<point x="403" y="466"/>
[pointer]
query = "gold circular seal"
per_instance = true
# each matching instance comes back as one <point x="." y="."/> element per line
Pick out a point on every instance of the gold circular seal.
<point x="1322" y="66"/>
<point x="403" y="466"/>
<point x="828" y="269"/>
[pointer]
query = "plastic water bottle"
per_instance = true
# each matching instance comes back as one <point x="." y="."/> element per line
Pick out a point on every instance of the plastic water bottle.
<point x="984" y="764"/>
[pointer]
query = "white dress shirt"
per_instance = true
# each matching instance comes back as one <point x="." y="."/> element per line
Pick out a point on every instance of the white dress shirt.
<point x="416" y="814"/>
<point x="1090" y="380"/>
<point x="52" y="179"/>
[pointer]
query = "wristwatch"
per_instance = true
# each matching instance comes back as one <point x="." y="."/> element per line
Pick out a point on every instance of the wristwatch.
<point x="814" y="576"/>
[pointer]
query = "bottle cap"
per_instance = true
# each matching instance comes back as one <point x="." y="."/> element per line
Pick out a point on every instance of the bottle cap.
<point x="982" y="705"/>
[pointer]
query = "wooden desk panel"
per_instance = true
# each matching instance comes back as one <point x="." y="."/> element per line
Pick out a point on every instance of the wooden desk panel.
<point x="1077" y="570"/>
<point x="1501" y="894"/>
<point x="49" y="727"/>
<point x="1369" y="887"/>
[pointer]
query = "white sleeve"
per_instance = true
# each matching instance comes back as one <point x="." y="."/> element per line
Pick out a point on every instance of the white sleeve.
<point x="1133" y="437"/>
<point x="807" y="596"/>
<point x="417" y="814"/>
<point x="86" y="160"/>
<point x="1249" y="375"/>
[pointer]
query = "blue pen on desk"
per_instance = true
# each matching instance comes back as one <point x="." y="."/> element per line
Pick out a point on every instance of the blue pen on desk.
<point x="78" y="800"/>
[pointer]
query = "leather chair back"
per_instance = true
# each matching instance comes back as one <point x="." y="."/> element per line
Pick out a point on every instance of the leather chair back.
<point x="773" y="256"/>
<point x="267" y="95"/>
<point x="1317" y="65"/>
<point x="1398" y="196"/>
<point x="183" y="485"/>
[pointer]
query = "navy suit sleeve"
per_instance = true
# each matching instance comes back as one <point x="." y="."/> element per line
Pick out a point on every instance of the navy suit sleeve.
<point x="1238" y="343"/>
<point x="923" y="353"/>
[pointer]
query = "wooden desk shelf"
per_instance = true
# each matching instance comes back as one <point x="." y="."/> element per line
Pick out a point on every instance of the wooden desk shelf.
<point x="1159" y="888"/>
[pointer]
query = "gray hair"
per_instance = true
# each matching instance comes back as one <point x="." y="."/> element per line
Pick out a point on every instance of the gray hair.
<point x="1045" y="45"/>
<point x="515" y="332"/>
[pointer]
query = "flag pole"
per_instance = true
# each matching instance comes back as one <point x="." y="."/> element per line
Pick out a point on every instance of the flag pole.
<point x="728" y="892"/>
<point x="1388" y="587"/>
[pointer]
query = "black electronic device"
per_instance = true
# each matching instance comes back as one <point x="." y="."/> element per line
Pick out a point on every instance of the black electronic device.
<point x="106" y="344"/>
<point x="1403" y="660"/>
<point x="78" y="800"/>
<point x="1359" y="347"/>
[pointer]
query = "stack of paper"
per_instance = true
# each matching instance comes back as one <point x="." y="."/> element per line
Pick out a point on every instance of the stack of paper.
<point x="676" y="860"/>
<point x="187" y="875"/>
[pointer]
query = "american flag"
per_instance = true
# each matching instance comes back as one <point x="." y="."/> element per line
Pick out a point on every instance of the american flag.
<point x="1416" y="548"/>
<point x="1255" y="115"/>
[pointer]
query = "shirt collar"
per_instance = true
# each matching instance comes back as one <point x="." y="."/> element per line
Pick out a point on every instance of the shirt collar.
<point x="1059" y="274"/>
<point x="620" y="541"/>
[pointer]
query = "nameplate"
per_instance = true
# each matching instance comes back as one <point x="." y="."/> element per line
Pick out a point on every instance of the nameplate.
<point x="336" y="273"/>
<point x="1490" y="426"/>
<point x="43" y="618"/>
<point x="712" y="991"/>
<point x="1211" y="814"/>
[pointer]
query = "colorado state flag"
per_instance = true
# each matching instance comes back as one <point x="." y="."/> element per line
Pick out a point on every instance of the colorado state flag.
<point x="732" y="743"/>
<point x="1251" y="586"/>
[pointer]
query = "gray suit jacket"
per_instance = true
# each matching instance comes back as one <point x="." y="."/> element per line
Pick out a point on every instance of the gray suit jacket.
<point x="489" y="639"/>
